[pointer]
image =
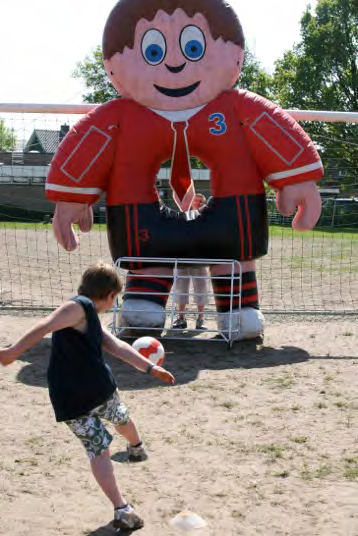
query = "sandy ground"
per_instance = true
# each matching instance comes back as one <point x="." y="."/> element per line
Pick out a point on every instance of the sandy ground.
<point x="258" y="440"/>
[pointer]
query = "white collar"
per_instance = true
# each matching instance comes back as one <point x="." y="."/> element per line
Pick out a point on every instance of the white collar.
<point x="178" y="115"/>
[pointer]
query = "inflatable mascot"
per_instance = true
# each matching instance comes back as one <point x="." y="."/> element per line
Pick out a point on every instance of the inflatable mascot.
<point x="175" y="63"/>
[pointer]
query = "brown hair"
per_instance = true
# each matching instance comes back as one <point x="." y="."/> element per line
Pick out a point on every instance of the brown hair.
<point x="99" y="280"/>
<point x="122" y="21"/>
<point x="198" y="201"/>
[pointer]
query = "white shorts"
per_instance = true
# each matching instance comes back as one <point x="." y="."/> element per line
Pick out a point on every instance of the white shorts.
<point x="200" y="285"/>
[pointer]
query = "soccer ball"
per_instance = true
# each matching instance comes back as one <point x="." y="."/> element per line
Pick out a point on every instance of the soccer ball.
<point x="150" y="348"/>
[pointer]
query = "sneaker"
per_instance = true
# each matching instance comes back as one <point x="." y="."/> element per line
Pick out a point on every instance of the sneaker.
<point x="126" y="519"/>
<point x="200" y="324"/>
<point x="180" y="323"/>
<point x="136" y="454"/>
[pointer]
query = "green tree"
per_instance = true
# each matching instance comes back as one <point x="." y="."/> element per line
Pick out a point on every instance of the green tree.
<point x="320" y="73"/>
<point x="7" y="137"/>
<point x="254" y="77"/>
<point x="92" y="71"/>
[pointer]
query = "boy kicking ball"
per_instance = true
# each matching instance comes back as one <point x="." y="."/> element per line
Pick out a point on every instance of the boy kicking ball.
<point x="82" y="388"/>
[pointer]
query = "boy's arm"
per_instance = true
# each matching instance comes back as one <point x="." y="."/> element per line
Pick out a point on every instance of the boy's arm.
<point x="125" y="352"/>
<point x="67" y="315"/>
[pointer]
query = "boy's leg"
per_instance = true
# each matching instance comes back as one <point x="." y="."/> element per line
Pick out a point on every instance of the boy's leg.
<point x="136" y="452"/>
<point x="102" y="469"/>
<point x="124" y="516"/>
<point x="95" y="438"/>
<point x="129" y="432"/>
<point x="116" y="412"/>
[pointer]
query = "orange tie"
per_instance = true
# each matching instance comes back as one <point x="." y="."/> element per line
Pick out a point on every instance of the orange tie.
<point x="180" y="178"/>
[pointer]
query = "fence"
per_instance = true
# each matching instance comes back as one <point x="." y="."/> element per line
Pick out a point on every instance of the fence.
<point x="313" y="272"/>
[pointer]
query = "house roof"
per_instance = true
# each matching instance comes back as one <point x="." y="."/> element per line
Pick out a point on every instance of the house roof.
<point x="48" y="140"/>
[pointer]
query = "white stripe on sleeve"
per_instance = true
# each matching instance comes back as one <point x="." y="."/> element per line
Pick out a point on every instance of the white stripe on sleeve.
<point x="293" y="172"/>
<point x="71" y="190"/>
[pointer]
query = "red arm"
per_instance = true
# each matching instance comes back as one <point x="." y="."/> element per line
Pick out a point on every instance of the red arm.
<point x="285" y="156"/>
<point x="80" y="169"/>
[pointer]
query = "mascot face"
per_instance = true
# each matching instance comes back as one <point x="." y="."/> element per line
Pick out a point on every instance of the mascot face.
<point x="175" y="64"/>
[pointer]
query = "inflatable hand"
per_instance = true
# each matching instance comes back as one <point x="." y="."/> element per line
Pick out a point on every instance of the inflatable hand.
<point x="65" y="215"/>
<point x="305" y="196"/>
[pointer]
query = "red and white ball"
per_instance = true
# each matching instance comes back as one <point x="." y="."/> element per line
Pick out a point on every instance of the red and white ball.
<point x="150" y="348"/>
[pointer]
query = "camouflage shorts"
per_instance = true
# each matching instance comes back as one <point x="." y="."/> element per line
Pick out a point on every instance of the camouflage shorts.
<point x="91" y="431"/>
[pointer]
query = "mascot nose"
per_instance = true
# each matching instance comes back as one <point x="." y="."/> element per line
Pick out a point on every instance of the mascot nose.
<point x="175" y="69"/>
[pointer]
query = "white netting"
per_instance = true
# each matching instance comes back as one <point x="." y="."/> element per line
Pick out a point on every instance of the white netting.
<point x="303" y="272"/>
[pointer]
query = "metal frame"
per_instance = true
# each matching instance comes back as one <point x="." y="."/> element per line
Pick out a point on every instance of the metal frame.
<point x="299" y="115"/>
<point x="226" y="335"/>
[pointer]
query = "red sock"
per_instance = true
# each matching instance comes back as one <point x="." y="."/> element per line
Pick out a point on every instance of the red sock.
<point x="249" y="295"/>
<point x="154" y="289"/>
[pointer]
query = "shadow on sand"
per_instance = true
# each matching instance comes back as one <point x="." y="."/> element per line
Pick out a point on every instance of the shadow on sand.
<point x="184" y="359"/>
<point x="109" y="530"/>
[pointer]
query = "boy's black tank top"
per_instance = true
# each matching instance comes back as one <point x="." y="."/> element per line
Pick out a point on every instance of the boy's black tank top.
<point x="79" y="379"/>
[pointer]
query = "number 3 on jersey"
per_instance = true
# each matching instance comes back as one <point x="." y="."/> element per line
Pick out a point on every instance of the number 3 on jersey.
<point x="220" y="125"/>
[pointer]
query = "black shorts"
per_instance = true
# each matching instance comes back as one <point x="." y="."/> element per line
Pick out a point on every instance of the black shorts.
<point x="226" y="228"/>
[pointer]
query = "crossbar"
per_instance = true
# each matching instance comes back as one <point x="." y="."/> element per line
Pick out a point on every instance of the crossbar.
<point x="299" y="115"/>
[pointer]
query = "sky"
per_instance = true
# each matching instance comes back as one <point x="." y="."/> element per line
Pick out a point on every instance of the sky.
<point x="41" y="41"/>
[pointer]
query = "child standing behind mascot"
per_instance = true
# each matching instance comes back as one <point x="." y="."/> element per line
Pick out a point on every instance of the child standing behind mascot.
<point x="175" y="62"/>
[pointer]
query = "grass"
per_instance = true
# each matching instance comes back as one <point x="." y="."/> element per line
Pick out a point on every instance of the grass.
<point x="273" y="450"/>
<point x="275" y="230"/>
<point x="351" y="473"/>
<point x="23" y="225"/>
<point x="283" y="382"/>
<point x="295" y="407"/>
<point x="299" y="439"/>
<point x="351" y="468"/>
<point x="351" y="233"/>
<point x="281" y="474"/>
<point x="40" y="226"/>
<point x="341" y="405"/>
<point x="228" y="404"/>
<point x="319" y="472"/>
<point x="321" y="405"/>
<point x="323" y="471"/>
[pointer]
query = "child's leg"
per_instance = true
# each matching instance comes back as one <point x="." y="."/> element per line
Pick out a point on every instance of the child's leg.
<point x="129" y="432"/>
<point x="136" y="452"/>
<point x="182" y="291"/>
<point x="181" y="308"/>
<point x="201" y="311"/>
<point x="116" y="412"/>
<point x="201" y="297"/>
<point x="124" y="516"/>
<point x="102" y="469"/>
<point x="96" y="439"/>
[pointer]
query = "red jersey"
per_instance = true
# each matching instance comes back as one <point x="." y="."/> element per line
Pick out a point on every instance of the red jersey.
<point x="120" y="146"/>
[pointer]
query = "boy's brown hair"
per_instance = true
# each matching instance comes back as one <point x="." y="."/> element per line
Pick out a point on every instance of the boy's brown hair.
<point x="122" y="21"/>
<point x="99" y="280"/>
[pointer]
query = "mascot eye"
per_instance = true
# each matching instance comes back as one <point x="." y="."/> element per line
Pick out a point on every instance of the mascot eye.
<point x="192" y="43"/>
<point x="154" y="47"/>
